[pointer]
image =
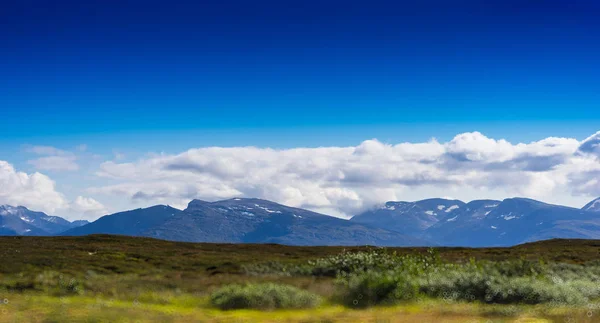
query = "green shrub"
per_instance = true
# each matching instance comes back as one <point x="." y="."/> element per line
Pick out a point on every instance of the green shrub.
<point x="263" y="296"/>
<point x="376" y="288"/>
<point x="58" y="284"/>
<point x="349" y="263"/>
<point x="378" y="277"/>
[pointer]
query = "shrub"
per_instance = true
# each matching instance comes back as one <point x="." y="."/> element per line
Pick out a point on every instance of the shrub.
<point x="58" y="284"/>
<point x="378" y="277"/>
<point x="350" y="263"/>
<point x="376" y="288"/>
<point x="263" y="296"/>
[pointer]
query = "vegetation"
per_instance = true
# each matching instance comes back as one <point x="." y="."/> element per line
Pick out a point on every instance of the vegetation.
<point x="263" y="296"/>
<point x="113" y="278"/>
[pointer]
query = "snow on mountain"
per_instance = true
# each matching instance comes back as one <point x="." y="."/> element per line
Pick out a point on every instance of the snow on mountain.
<point x="21" y="221"/>
<point x="513" y="221"/>
<point x="593" y="206"/>
<point x="409" y="217"/>
<point x="244" y="220"/>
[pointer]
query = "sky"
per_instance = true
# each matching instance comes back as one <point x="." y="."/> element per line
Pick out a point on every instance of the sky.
<point x="336" y="106"/>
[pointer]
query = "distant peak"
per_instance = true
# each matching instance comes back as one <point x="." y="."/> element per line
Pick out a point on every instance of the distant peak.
<point x="523" y="199"/>
<point x="9" y="209"/>
<point x="197" y="203"/>
<point x="593" y="206"/>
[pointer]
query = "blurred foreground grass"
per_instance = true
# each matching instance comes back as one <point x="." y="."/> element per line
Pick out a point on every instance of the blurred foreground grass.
<point x="105" y="278"/>
<point x="40" y="308"/>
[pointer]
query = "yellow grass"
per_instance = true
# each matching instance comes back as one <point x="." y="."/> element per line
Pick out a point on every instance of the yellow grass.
<point x="42" y="308"/>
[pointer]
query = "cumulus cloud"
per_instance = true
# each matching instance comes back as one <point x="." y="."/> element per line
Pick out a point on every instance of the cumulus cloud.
<point x="345" y="180"/>
<point x="591" y="145"/>
<point x="87" y="208"/>
<point x="38" y="192"/>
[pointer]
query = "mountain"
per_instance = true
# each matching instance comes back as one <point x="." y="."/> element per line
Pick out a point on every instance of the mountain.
<point x="132" y="223"/>
<point x="514" y="221"/>
<point x="409" y="217"/>
<point x="22" y="221"/>
<point x="593" y="206"/>
<point x="462" y="219"/>
<point x="244" y="221"/>
<point x="479" y="223"/>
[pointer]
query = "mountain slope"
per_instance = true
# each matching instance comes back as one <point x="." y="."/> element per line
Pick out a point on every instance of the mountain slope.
<point x="133" y="223"/>
<point x="409" y="217"/>
<point x="593" y="206"/>
<point x="22" y="221"/>
<point x="515" y="221"/>
<point x="244" y="221"/>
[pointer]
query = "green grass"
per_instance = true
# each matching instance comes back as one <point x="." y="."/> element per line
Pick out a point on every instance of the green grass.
<point x="115" y="278"/>
<point x="263" y="296"/>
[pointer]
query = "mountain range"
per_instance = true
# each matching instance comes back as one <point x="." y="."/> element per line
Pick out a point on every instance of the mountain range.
<point x="430" y="222"/>
<point x="22" y="221"/>
<point x="244" y="221"/>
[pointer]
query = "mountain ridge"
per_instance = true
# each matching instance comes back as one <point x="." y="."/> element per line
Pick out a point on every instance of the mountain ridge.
<point x="434" y="221"/>
<point x="19" y="220"/>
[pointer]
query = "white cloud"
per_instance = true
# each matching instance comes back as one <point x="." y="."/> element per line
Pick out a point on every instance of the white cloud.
<point x="87" y="208"/>
<point x="46" y="150"/>
<point x="55" y="159"/>
<point x="38" y="192"/>
<point x="346" y="180"/>
<point x="591" y="145"/>
<point x="35" y="191"/>
<point x="55" y="163"/>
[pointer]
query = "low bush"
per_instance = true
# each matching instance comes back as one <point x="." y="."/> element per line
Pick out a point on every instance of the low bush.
<point x="376" y="288"/>
<point x="382" y="278"/>
<point x="263" y="296"/>
<point x="58" y="284"/>
<point x="50" y="282"/>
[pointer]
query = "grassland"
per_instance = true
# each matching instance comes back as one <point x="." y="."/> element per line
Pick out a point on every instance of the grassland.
<point x="104" y="278"/>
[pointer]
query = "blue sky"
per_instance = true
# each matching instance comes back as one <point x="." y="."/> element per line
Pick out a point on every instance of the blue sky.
<point x="130" y="78"/>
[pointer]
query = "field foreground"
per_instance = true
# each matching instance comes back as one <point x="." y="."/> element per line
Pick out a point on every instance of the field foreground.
<point x="105" y="278"/>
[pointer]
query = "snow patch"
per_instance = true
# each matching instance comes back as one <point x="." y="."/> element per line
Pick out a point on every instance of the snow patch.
<point x="594" y="206"/>
<point x="491" y="205"/>
<point x="26" y="219"/>
<point x="441" y="207"/>
<point x="452" y="219"/>
<point x="509" y="217"/>
<point x="8" y="210"/>
<point x="430" y="212"/>
<point x="493" y="227"/>
<point x="266" y="209"/>
<point x="388" y="207"/>
<point x="453" y="207"/>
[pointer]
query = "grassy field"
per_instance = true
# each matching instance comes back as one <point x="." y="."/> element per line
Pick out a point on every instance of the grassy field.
<point x="122" y="279"/>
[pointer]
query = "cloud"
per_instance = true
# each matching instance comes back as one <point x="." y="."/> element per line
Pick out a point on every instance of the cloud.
<point x="55" y="163"/>
<point x="46" y="150"/>
<point x="56" y="159"/>
<point x="36" y="191"/>
<point x="349" y="179"/>
<point x="591" y="145"/>
<point x="87" y="208"/>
